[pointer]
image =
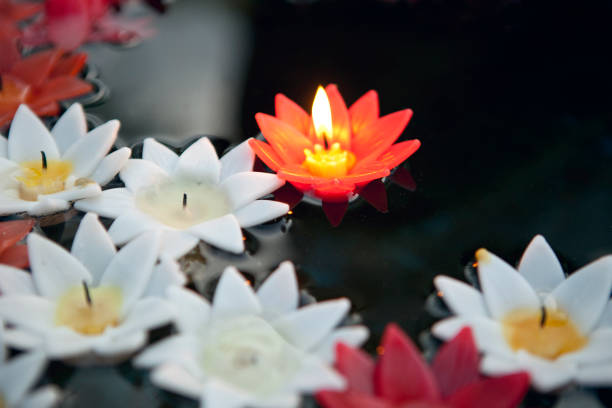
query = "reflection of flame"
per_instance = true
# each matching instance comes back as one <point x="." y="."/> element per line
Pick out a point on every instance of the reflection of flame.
<point x="321" y="114"/>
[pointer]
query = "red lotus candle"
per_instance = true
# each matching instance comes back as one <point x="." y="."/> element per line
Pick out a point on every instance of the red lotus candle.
<point x="337" y="151"/>
<point x="11" y="252"/>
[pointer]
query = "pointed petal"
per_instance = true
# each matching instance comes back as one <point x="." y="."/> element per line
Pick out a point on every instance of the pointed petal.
<point x="174" y="378"/>
<point x="14" y="281"/>
<point x="176" y="244"/>
<point x="335" y="211"/>
<point x="289" y="195"/>
<point x="457" y="363"/>
<point x="69" y="65"/>
<point x="278" y="294"/>
<point x="340" y="118"/>
<point x="366" y="171"/>
<point x="145" y="314"/>
<point x="177" y="349"/>
<point x="606" y="317"/>
<point x="404" y="179"/>
<point x="35" y="69"/>
<point x="286" y="141"/>
<point x="377" y="137"/>
<point x="399" y="152"/>
<point x="503" y="288"/>
<point x="46" y="205"/>
<point x="159" y="154"/>
<point x="131" y="268"/>
<point x="291" y="113"/>
<point x="16" y="256"/>
<point x="540" y="266"/>
<point x="364" y="111"/>
<point x="193" y="311"/>
<point x="223" y="232"/>
<point x="89" y="150"/>
<point x="221" y="395"/>
<point x="110" y="166"/>
<point x="88" y="190"/>
<point x="54" y="270"/>
<point x="64" y="343"/>
<point x="9" y="205"/>
<point x="123" y="345"/>
<point x="234" y="296"/>
<point x="315" y="375"/>
<point x="199" y="163"/>
<point x="357" y="367"/>
<point x="139" y="173"/>
<point x="32" y="313"/>
<point x="19" y="374"/>
<point x="353" y="336"/>
<point x="335" y="399"/>
<point x="307" y="326"/>
<point x="28" y="136"/>
<point x="239" y="159"/>
<point x="487" y="333"/>
<point x="57" y="89"/>
<point x="461" y="298"/>
<point x="267" y="154"/>
<point x="11" y="232"/>
<point x="244" y="188"/>
<point x="130" y="225"/>
<point x="23" y="339"/>
<point x="401" y="373"/>
<point x="599" y="375"/>
<point x="70" y="127"/>
<point x="111" y="203"/>
<point x="260" y="211"/>
<point x="167" y="273"/>
<point x="92" y="246"/>
<point x="502" y="392"/>
<point x="585" y="293"/>
<point x="375" y="193"/>
<point x="44" y="397"/>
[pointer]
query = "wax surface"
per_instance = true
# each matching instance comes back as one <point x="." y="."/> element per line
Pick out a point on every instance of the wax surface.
<point x="332" y="162"/>
<point x="35" y="180"/>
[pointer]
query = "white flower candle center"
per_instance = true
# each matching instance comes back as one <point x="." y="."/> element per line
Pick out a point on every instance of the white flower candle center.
<point x="42" y="177"/>
<point x="248" y="353"/>
<point x="182" y="204"/>
<point x="548" y="333"/>
<point x="89" y="311"/>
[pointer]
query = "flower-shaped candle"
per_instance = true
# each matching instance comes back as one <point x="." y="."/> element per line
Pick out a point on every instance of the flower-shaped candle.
<point x="40" y="80"/>
<point x="93" y="303"/>
<point x="11" y="232"/>
<point x="191" y="197"/>
<point x="18" y="375"/>
<point x="336" y="152"/>
<point x="402" y="378"/>
<point x="44" y="171"/>
<point x="251" y="348"/>
<point x="559" y="330"/>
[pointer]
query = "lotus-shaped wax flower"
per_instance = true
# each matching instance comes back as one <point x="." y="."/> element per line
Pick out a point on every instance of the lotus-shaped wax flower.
<point x="18" y="375"/>
<point x="196" y="196"/>
<point x="42" y="171"/>
<point x="338" y="150"/>
<point x="534" y="319"/>
<point x="39" y="80"/>
<point x="91" y="304"/>
<point x="401" y="377"/>
<point x="251" y="349"/>
<point x="11" y="252"/>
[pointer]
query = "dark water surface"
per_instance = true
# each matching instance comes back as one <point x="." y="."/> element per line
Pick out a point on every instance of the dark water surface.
<point x="511" y="102"/>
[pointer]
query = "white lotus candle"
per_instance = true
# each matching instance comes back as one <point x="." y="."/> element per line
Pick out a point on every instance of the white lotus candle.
<point x="182" y="204"/>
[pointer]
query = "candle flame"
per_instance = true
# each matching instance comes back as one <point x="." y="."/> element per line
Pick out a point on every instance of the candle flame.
<point x="321" y="115"/>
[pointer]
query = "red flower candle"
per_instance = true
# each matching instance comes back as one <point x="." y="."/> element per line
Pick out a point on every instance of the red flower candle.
<point x="337" y="151"/>
<point x="12" y="253"/>
<point x="402" y="378"/>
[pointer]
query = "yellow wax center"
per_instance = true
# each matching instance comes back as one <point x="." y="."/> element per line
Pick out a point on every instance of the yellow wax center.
<point x="328" y="163"/>
<point x="74" y="311"/>
<point x="548" y="337"/>
<point x="182" y="204"/>
<point x="35" y="179"/>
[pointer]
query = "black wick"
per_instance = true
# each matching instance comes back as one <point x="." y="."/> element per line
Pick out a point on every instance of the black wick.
<point x="44" y="160"/>
<point x="543" y="319"/>
<point x="87" y="294"/>
<point x="184" y="200"/>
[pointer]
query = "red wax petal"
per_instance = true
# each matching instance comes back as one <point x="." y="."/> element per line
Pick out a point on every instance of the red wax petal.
<point x="21" y="11"/>
<point x="334" y="211"/>
<point x="335" y="399"/>
<point x="403" y="178"/>
<point x="377" y="137"/>
<point x="70" y="65"/>
<point x="12" y="232"/>
<point x="500" y="392"/>
<point x="47" y="109"/>
<point x="291" y="113"/>
<point x="36" y="68"/>
<point x="399" y="152"/>
<point x="6" y="117"/>
<point x="364" y="111"/>
<point x="401" y="374"/>
<point x="9" y="54"/>
<point x="357" y="367"/>
<point x="456" y="363"/>
<point x="57" y="89"/>
<point x="340" y="117"/>
<point x="16" y="256"/>
<point x="68" y="22"/>
<point x="375" y="193"/>
<point x="289" y="195"/>
<point x="286" y="140"/>
<point x="265" y="153"/>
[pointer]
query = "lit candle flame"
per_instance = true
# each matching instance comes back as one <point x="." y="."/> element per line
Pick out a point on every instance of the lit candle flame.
<point x="321" y="116"/>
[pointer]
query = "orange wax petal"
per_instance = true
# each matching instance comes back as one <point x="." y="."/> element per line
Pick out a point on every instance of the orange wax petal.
<point x="47" y="109"/>
<point x="340" y="118"/>
<point x="16" y="256"/>
<point x="70" y="65"/>
<point x="399" y="152"/>
<point x="375" y="138"/>
<point x="291" y="113"/>
<point x="265" y="152"/>
<point x="13" y="93"/>
<point x="363" y="172"/>
<point x="364" y="111"/>
<point x="35" y="69"/>
<point x="286" y="140"/>
<point x="296" y="173"/>
<point x="12" y="232"/>
<point x="57" y="89"/>
<point x="6" y="117"/>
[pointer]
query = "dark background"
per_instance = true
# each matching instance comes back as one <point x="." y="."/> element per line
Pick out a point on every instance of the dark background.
<point x="511" y="102"/>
